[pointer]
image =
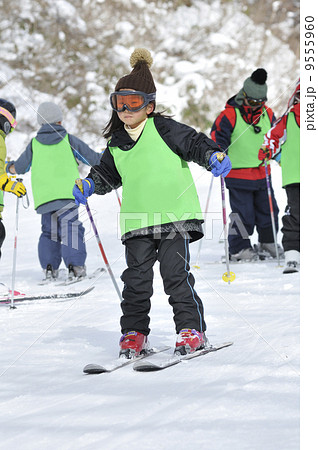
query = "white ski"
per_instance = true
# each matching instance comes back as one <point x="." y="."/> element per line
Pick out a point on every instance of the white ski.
<point x="69" y="281"/>
<point x="92" y="369"/>
<point x="153" y="365"/>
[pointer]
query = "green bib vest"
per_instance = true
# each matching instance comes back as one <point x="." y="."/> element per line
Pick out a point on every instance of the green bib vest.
<point x="158" y="187"/>
<point x="290" y="160"/>
<point x="245" y="143"/>
<point x="53" y="173"/>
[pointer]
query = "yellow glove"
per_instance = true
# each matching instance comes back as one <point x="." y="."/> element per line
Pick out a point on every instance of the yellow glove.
<point x="9" y="185"/>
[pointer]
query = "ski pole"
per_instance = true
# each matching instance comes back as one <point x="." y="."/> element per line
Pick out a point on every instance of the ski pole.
<point x="79" y="183"/>
<point x="205" y="213"/>
<point x="271" y="209"/>
<point x="227" y="276"/>
<point x="14" y="264"/>
<point x="118" y="198"/>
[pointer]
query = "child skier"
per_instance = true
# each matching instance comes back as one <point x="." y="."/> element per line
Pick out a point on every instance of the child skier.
<point x="239" y="130"/>
<point x="52" y="157"/>
<point x="160" y="212"/>
<point x="282" y="142"/>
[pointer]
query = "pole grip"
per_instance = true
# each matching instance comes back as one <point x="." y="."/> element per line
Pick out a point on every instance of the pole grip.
<point x="263" y="147"/>
<point x="79" y="184"/>
<point x="220" y="156"/>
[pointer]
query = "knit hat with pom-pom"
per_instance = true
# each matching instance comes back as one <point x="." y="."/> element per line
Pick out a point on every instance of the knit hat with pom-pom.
<point x="140" y="78"/>
<point x="254" y="87"/>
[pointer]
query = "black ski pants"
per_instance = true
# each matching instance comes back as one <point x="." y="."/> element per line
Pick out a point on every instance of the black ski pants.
<point x="2" y="235"/>
<point x="291" y="219"/>
<point x="172" y="252"/>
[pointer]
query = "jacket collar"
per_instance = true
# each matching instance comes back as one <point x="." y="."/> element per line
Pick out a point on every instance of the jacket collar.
<point x="120" y="138"/>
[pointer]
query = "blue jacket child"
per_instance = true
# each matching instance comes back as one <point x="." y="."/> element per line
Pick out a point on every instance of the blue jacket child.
<point x="52" y="157"/>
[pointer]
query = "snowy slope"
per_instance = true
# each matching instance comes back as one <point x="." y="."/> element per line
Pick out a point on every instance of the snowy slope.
<point x="243" y="397"/>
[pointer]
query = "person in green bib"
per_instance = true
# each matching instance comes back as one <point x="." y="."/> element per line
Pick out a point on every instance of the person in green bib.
<point x="282" y="143"/>
<point x="7" y="125"/>
<point x="53" y="155"/>
<point x="239" y="130"/>
<point x="147" y="154"/>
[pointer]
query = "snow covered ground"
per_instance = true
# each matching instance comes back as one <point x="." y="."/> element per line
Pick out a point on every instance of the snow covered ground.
<point x="242" y="397"/>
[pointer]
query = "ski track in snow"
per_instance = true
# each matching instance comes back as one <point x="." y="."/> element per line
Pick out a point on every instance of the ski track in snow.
<point x="242" y="397"/>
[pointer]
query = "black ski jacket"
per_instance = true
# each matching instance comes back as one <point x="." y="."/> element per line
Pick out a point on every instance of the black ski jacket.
<point x="183" y="140"/>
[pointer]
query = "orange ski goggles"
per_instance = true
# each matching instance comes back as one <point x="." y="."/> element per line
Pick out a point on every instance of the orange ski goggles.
<point x="130" y="100"/>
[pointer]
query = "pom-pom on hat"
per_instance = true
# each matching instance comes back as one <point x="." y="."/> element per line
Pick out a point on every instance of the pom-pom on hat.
<point x="140" y="78"/>
<point x="254" y="87"/>
<point x="49" y="112"/>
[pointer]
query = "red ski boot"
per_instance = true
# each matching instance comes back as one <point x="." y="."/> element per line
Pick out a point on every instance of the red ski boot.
<point x="133" y="344"/>
<point x="188" y="341"/>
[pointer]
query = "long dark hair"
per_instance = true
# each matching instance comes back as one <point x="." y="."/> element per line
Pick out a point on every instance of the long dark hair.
<point x="116" y="124"/>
